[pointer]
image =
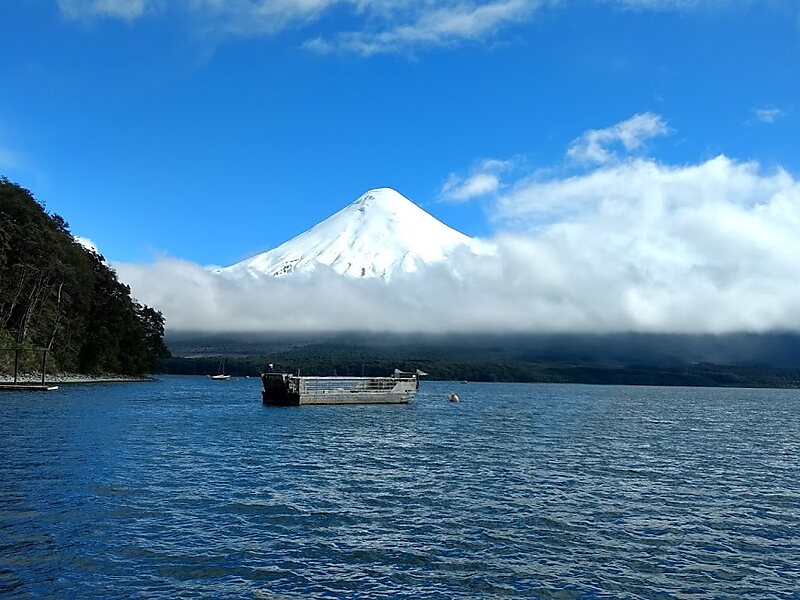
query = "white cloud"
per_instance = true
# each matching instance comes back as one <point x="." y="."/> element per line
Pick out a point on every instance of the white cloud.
<point x="121" y="9"/>
<point x="769" y="114"/>
<point x="650" y="247"/>
<point x="672" y="4"/>
<point x="594" y="145"/>
<point x="436" y="24"/>
<point x="478" y="184"/>
<point x="382" y="26"/>
<point x="387" y="25"/>
<point x="631" y="245"/>
<point x="636" y="246"/>
<point x="483" y="180"/>
<point x="86" y="243"/>
<point x="261" y="17"/>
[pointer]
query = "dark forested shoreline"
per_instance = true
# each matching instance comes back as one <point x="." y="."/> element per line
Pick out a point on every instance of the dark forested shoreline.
<point x="58" y="297"/>
<point x="734" y="360"/>
<point x="489" y="368"/>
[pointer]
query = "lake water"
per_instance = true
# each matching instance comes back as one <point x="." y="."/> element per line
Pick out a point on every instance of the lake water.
<point x="186" y="488"/>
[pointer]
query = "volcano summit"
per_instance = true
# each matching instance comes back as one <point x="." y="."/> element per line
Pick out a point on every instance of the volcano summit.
<point x="379" y="235"/>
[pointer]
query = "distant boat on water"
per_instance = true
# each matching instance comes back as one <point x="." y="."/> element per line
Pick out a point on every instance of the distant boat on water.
<point x="221" y="375"/>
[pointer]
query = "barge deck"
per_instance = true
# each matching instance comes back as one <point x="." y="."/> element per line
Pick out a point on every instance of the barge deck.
<point x="283" y="389"/>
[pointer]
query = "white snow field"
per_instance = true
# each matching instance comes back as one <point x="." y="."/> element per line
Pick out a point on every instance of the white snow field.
<point x="381" y="234"/>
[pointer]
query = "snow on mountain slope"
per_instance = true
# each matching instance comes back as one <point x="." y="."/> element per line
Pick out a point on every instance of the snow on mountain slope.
<point x="378" y="235"/>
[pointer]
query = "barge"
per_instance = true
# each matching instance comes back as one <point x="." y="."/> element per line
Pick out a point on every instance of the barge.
<point x="283" y="389"/>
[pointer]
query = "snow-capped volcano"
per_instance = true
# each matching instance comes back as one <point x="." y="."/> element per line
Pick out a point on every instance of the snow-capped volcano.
<point x="378" y="235"/>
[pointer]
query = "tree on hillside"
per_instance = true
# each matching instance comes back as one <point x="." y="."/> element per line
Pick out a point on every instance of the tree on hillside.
<point x="56" y="294"/>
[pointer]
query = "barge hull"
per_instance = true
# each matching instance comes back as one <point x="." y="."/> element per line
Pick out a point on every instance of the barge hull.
<point x="354" y="399"/>
<point x="291" y="390"/>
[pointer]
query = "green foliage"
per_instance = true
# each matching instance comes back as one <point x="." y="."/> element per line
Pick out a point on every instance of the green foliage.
<point x="56" y="294"/>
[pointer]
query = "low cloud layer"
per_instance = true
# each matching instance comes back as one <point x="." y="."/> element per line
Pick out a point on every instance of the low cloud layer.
<point x="637" y="246"/>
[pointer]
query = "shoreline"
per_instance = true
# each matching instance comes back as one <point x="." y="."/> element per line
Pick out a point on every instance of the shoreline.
<point x="72" y="378"/>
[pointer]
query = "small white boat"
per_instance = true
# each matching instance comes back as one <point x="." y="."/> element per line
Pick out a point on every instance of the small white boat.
<point x="221" y="375"/>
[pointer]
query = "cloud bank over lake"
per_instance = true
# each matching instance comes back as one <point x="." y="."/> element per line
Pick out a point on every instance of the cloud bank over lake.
<point x="631" y="245"/>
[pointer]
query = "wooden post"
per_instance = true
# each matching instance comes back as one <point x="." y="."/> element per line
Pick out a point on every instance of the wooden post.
<point x="44" y="364"/>
<point x="16" y="363"/>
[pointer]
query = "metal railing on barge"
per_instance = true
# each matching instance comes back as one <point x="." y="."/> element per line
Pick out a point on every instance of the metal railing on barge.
<point x="339" y="385"/>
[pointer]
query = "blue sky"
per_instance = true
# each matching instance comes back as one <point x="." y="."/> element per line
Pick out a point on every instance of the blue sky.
<point x="210" y="131"/>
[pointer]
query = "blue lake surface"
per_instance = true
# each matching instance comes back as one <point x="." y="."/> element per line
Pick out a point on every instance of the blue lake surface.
<point x="186" y="487"/>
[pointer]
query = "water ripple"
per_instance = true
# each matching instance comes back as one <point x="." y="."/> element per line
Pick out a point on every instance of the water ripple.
<point x="190" y="488"/>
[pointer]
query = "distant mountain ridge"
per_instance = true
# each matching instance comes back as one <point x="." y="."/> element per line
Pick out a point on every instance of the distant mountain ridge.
<point x="380" y="235"/>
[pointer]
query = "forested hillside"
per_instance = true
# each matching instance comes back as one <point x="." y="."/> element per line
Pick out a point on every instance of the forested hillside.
<point x="491" y="366"/>
<point x="56" y="295"/>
